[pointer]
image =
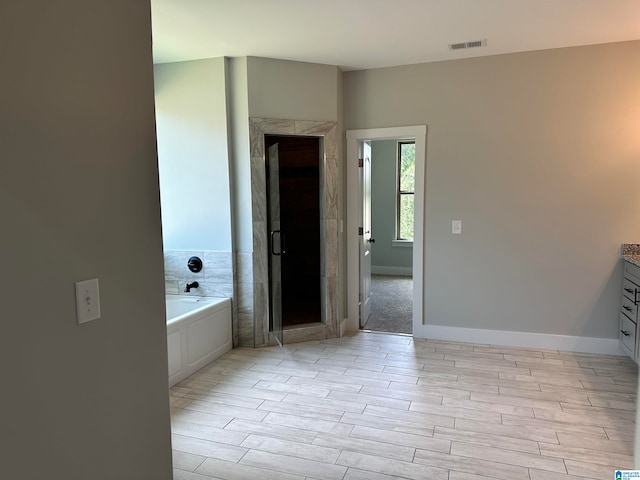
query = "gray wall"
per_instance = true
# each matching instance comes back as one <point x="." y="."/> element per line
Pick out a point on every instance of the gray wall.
<point x="537" y="153"/>
<point x="268" y="88"/>
<point x="292" y="90"/>
<point x="79" y="199"/>
<point x="384" y="158"/>
<point x="191" y="117"/>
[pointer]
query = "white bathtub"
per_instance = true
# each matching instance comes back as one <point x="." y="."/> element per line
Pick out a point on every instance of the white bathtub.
<point x="198" y="331"/>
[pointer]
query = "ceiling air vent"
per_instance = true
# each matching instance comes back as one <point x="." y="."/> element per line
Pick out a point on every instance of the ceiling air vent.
<point x="473" y="44"/>
<point x="457" y="46"/>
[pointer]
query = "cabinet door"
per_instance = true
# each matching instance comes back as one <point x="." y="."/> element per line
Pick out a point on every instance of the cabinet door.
<point x="628" y="335"/>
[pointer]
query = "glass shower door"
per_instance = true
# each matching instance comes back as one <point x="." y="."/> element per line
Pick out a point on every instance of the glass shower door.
<point x="276" y="244"/>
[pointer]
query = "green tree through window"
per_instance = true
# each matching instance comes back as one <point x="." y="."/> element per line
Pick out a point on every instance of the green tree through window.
<point x="406" y="185"/>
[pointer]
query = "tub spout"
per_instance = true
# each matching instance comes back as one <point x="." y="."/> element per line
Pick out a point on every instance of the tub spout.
<point x="191" y="285"/>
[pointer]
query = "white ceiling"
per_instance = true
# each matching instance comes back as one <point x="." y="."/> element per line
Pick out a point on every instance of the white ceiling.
<point x="359" y="34"/>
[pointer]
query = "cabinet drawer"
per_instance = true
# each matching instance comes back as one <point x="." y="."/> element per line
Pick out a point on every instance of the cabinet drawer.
<point x="628" y="334"/>
<point x="630" y="290"/>
<point x="631" y="270"/>
<point x="629" y="308"/>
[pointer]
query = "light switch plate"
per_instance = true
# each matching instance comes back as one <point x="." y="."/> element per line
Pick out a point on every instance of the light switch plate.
<point x="456" y="227"/>
<point x="87" y="300"/>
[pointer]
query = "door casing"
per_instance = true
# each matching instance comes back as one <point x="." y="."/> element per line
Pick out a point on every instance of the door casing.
<point x="354" y="140"/>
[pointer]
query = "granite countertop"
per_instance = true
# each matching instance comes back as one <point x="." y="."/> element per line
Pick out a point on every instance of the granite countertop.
<point x="631" y="253"/>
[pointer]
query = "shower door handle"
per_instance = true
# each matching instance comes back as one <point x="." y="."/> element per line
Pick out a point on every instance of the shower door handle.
<point x="283" y="249"/>
<point x="273" y="250"/>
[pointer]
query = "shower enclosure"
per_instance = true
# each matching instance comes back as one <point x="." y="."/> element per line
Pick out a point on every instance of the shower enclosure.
<point x="251" y="278"/>
<point x="293" y="223"/>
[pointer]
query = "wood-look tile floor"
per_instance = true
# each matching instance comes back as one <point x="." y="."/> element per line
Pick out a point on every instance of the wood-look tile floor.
<point x="375" y="406"/>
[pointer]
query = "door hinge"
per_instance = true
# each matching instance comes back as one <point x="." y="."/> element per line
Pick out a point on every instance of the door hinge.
<point x="360" y="162"/>
<point x="360" y="231"/>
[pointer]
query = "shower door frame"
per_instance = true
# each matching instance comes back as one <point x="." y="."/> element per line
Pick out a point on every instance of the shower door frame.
<point x="326" y="132"/>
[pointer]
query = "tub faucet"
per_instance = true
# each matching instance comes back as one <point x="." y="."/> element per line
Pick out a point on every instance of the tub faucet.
<point x="191" y="285"/>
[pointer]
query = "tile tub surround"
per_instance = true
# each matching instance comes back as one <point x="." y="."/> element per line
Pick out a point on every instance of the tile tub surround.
<point x="215" y="279"/>
<point x="252" y="267"/>
<point x="381" y="406"/>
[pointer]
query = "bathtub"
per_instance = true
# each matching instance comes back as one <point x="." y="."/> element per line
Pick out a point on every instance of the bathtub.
<point x="198" y="331"/>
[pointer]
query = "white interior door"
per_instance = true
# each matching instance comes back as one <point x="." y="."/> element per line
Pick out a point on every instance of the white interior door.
<point x="365" y="239"/>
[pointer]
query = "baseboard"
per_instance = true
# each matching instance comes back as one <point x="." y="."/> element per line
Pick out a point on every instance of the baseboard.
<point x="606" y="346"/>
<point x="384" y="270"/>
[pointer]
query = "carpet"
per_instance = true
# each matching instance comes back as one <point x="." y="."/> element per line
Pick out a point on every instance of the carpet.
<point x="391" y="304"/>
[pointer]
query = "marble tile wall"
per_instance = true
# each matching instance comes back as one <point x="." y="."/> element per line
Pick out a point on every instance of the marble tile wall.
<point x="215" y="279"/>
<point x="244" y="300"/>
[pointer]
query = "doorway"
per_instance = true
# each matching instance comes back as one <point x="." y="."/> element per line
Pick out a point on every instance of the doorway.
<point x="356" y="141"/>
<point x="293" y="221"/>
<point x="252" y="268"/>
<point x="392" y="172"/>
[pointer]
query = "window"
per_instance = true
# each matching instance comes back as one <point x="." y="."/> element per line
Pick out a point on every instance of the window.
<point x="406" y="183"/>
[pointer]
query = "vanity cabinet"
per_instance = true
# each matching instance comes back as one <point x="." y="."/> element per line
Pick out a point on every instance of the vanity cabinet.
<point x="629" y="310"/>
